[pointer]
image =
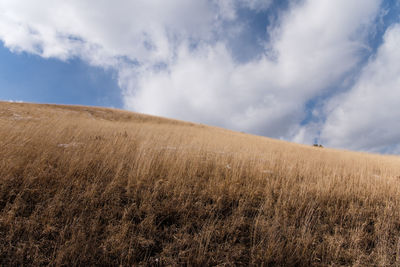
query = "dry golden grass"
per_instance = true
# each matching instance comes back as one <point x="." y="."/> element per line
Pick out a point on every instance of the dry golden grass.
<point x="93" y="186"/>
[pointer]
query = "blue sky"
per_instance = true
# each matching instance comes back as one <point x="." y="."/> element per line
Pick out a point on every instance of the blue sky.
<point x="305" y="71"/>
<point x="30" y="78"/>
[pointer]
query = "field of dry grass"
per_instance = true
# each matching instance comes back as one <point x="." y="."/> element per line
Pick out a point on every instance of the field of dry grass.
<point x="94" y="186"/>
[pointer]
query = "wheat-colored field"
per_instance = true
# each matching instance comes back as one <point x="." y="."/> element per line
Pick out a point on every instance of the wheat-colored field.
<point x="95" y="186"/>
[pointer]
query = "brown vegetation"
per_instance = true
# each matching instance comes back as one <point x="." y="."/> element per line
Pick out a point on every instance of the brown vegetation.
<point x="97" y="186"/>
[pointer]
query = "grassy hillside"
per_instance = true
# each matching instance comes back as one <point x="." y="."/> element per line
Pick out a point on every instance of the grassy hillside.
<point x="82" y="185"/>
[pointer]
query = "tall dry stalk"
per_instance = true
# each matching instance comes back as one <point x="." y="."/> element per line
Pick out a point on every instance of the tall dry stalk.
<point x="96" y="186"/>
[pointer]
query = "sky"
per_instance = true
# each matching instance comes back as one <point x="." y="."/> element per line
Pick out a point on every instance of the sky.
<point x="307" y="71"/>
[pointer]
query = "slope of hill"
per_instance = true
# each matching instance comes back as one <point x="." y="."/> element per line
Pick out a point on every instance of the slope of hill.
<point x="95" y="186"/>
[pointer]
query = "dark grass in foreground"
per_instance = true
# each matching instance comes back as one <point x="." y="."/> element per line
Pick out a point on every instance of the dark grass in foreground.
<point x="90" y="186"/>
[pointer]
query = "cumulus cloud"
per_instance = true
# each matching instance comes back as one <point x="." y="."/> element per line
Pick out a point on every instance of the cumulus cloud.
<point x="175" y="58"/>
<point x="367" y="117"/>
<point x="138" y="30"/>
<point x="314" y="46"/>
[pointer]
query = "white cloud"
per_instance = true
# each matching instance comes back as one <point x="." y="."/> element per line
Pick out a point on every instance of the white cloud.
<point x="139" y="30"/>
<point x="316" y="44"/>
<point x="367" y="117"/>
<point x="227" y="9"/>
<point x="13" y="101"/>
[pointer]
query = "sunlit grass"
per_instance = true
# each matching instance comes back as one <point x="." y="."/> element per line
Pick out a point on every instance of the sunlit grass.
<point x="95" y="186"/>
